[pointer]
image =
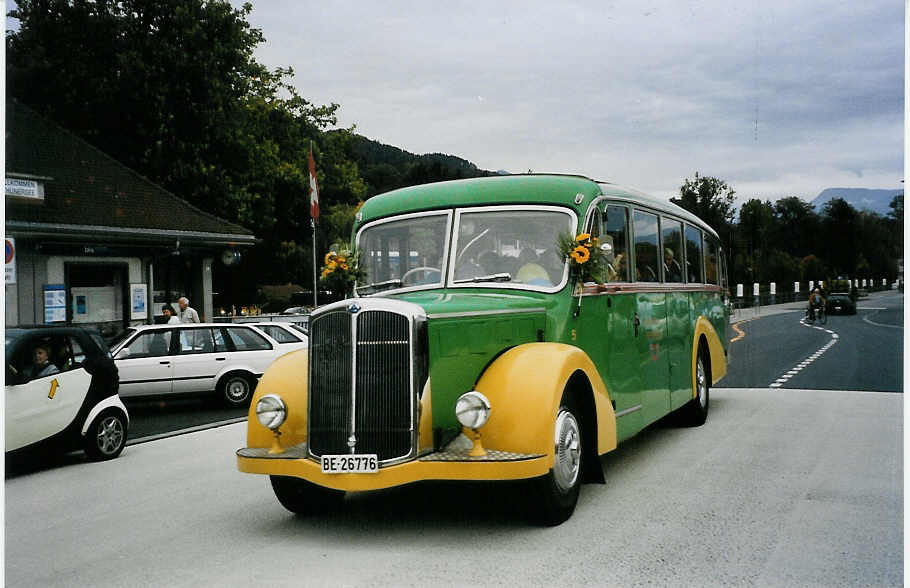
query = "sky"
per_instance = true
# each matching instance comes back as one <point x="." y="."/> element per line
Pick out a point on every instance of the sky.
<point x="775" y="97"/>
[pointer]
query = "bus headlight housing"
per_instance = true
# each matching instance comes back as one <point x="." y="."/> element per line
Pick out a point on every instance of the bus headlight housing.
<point x="271" y="411"/>
<point x="472" y="409"/>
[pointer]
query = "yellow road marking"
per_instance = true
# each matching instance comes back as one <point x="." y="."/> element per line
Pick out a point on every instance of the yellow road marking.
<point x="53" y="391"/>
<point x="738" y="330"/>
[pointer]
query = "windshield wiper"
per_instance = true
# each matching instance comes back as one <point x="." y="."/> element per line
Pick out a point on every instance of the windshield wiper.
<point x="378" y="285"/>
<point x="503" y="277"/>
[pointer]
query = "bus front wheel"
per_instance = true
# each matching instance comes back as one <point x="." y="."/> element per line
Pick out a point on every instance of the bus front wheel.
<point x="556" y="494"/>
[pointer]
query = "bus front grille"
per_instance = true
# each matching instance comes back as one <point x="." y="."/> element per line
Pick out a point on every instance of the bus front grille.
<point x="361" y="396"/>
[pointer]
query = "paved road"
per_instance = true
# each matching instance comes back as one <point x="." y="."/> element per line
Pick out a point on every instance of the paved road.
<point x="855" y="352"/>
<point x="779" y="488"/>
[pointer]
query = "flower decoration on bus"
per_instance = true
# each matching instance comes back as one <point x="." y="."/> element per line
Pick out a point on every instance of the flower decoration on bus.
<point x="340" y="270"/>
<point x="587" y="258"/>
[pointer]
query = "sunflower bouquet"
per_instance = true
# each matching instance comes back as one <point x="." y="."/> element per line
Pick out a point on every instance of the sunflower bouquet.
<point x="587" y="260"/>
<point x="340" y="271"/>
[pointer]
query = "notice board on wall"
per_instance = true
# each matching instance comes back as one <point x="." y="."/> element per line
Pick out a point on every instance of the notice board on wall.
<point x="96" y="304"/>
<point x="54" y="303"/>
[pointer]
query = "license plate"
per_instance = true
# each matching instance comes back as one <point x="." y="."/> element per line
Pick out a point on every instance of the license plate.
<point x="837" y="308"/>
<point x="362" y="463"/>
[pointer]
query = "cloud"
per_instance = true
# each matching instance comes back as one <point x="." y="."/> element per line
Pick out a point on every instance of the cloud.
<point x="776" y="98"/>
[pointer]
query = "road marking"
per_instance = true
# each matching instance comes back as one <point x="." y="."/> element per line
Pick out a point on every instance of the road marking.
<point x="738" y="337"/>
<point x="866" y="320"/>
<point x="808" y="361"/>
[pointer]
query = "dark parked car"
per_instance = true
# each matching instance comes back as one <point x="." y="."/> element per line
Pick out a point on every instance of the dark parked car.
<point x="840" y="303"/>
<point x="61" y="393"/>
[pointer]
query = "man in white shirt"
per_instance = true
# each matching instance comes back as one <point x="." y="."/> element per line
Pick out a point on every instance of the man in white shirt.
<point x="186" y="314"/>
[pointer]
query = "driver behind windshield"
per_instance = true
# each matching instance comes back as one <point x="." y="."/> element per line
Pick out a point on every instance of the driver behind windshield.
<point x="41" y="364"/>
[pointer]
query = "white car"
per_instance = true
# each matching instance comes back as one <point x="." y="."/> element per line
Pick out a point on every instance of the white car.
<point x="61" y="393"/>
<point x="193" y="358"/>
<point x="283" y="332"/>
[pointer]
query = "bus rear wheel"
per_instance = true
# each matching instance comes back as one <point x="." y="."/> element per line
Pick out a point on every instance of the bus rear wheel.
<point x="695" y="412"/>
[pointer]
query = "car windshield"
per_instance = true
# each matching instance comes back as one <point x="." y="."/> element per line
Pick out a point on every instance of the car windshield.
<point x="404" y="252"/>
<point x="510" y="246"/>
<point x="120" y="338"/>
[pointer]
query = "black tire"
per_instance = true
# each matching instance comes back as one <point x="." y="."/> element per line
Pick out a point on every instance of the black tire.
<point x="106" y="436"/>
<point x="305" y="498"/>
<point x="695" y="412"/>
<point x="236" y="388"/>
<point x="555" y="495"/>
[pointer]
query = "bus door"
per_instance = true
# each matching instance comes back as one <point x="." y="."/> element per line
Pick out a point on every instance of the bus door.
<point x="679" y="322"/>
<point x="650" y="320"/>
<point x="623" y="378"/>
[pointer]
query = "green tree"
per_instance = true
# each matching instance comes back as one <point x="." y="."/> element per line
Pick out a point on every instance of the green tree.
<point x="840" y="234"/>
<point x="796" y="227"/>
<point x="171" y="89"/>
<point x="711" y="200"/>
<point x="756" y="223"/>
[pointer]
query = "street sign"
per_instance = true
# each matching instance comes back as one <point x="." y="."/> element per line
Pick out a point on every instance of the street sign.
<point x="10" y="260"/>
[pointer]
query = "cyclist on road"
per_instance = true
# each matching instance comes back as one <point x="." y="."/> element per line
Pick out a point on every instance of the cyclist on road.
<point x="816" y="301"/>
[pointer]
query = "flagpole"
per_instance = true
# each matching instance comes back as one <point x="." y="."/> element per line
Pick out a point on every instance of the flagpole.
<point x="313" y="225"/>
<point x="314" y="213"/>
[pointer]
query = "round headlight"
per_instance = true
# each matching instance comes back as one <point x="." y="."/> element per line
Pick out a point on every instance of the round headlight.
<point x="472" y="409"/>
<point x="271" y="411"/>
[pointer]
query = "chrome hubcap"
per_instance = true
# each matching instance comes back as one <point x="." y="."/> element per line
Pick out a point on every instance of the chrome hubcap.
<point x="568" y="451"/>
<point x="237" y="389"/>
<point x="701" y="382"/>
<point x="110" y="435"/>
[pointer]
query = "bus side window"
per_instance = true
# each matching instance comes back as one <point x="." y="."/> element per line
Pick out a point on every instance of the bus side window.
<point x="671" y="235"/>
<point x="616" y="232"/>
<point x="711" y="260"/>
<point x="646" y="243"/>
<point x="694" y="257"/>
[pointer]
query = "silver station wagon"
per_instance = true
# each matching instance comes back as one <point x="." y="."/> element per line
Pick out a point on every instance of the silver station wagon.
<point x="195" y="358"/>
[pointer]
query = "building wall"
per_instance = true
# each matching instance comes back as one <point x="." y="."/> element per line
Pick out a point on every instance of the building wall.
<point x="34" y="270"/>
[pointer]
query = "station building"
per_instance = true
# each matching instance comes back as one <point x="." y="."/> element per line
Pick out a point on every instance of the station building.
<point x="90" y="242"/>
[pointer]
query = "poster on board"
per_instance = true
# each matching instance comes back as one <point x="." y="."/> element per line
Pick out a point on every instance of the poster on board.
<point x="54" y="303"/>
<point x="138" y="301"/>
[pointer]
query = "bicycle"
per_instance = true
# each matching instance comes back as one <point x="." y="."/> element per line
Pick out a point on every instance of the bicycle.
<point x="820" y="315"/>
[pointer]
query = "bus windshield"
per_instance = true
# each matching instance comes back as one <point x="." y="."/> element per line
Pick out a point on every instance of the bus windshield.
<point x="510" y="246"/>
<point x="403" y="252"/>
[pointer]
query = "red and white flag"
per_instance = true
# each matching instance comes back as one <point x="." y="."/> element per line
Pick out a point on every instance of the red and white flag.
<point x="314" y="190"/>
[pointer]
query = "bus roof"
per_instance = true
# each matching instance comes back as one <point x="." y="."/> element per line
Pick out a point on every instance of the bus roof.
<point x="553" y="189"/>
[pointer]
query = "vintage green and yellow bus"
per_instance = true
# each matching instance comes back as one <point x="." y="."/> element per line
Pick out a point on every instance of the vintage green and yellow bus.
<point x="472" y="348"/>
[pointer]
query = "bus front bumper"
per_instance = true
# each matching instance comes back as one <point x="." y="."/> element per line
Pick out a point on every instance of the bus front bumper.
<point x="441" y="465"/>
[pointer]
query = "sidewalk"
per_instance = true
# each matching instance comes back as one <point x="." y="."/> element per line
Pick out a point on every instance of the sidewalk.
<point x="751" y="312"/>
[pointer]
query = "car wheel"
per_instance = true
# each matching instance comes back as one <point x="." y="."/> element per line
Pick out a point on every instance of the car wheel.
<point x="106" y="437"/>
<point x="556" y="494"/>
<point x="236" y="388"/>
<point x="695" y="412"/>
<point x="305" y="498"/>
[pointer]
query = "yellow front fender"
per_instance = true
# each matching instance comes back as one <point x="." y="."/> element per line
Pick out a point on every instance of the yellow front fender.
<point x="286" y="377"/>
<point x="524" y="386"/>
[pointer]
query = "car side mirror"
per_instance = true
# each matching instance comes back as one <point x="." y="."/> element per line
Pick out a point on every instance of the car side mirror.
<point x="123" y="353"/>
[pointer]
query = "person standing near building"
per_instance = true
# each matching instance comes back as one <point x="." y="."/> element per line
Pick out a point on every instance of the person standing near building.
<point x="170" y="315"/>
<point x="187" y="314"/>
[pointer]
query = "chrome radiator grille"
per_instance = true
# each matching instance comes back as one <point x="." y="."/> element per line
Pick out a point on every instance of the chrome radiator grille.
<point x="362" y="395"/>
